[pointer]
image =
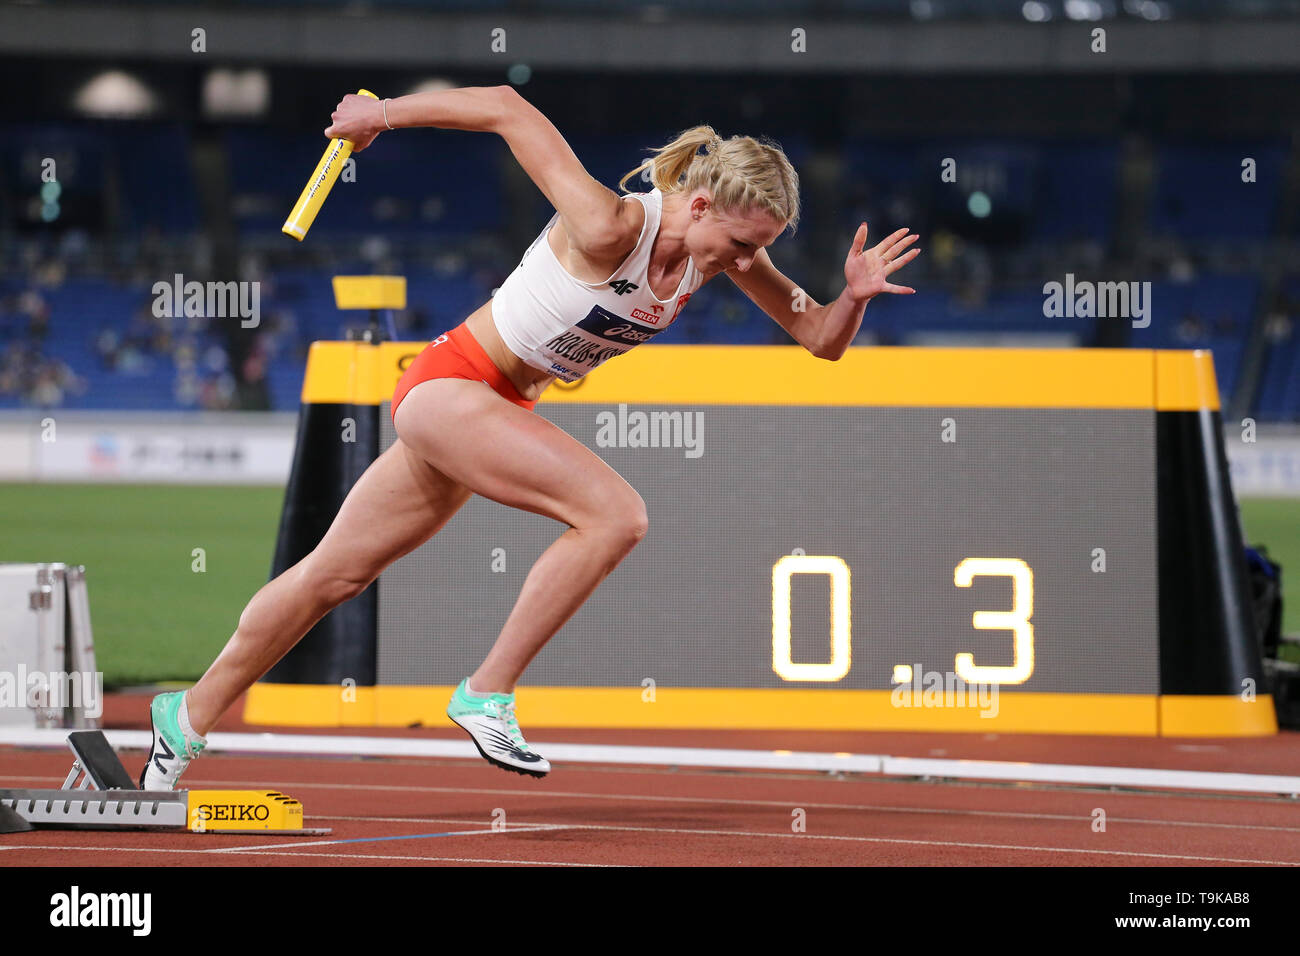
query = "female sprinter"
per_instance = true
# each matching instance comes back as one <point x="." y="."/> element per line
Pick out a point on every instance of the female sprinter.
<point x="607" y="273"/>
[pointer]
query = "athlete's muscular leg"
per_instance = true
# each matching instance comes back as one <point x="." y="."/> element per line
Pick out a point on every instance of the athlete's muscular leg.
<point x="500" y="451"/>
<point x="395" y="506"/>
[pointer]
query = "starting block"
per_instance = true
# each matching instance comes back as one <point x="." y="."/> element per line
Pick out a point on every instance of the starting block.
<point x="99" y="794"/>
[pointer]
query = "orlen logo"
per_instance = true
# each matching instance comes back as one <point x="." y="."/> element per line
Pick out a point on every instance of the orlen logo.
<point x="645" y="316"/>
<point x="629" y="333"/>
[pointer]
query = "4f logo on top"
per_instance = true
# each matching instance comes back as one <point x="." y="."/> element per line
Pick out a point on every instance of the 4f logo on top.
<point x="623" y="287"/>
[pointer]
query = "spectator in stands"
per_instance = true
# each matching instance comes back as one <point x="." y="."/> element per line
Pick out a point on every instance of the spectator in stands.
<point x="11" y="369"/>
<point x="1278" y="328"/>
<point x="217" y="392"/>
<point x="33" y="305"/>
<point x="414" y="323"/>
<point x="253" y="392"/>
<point x="1223" y="324"/>
<point x="1191" y="328"/>
<point x="51" y="381"/>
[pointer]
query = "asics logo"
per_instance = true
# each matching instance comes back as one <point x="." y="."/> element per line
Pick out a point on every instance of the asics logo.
<point x="630" y="333"/>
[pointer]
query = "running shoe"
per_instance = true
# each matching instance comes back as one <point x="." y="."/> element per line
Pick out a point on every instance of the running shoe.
<point x="490" y="722"/>
<point x="174" y="745"/>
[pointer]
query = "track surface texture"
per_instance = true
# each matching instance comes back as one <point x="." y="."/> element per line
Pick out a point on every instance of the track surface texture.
<point x="404" y="812"/>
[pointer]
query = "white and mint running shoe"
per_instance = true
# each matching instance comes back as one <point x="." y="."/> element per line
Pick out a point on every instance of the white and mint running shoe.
<point x="490" y="722"/>
<point x="174" y="743"/>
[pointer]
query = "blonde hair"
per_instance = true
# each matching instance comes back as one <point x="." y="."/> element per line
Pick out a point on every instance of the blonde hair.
<point x="741" y="173"/>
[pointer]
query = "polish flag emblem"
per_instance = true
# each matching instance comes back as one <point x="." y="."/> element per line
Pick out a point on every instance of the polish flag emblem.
<point x="681" y="301"/>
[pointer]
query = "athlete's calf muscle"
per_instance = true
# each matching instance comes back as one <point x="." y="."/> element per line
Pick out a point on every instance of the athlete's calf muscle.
<point x="397" y="504"/>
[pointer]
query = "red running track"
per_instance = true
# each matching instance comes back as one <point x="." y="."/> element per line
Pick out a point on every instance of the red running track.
<point x="402" y="812"/>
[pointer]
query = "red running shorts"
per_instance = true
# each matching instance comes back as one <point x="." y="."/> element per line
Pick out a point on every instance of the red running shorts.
<point x="457" y="354"/>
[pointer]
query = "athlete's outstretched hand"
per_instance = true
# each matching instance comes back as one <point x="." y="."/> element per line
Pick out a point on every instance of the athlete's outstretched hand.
<point x="866" y="271"/>
<point x="357" y="118"/>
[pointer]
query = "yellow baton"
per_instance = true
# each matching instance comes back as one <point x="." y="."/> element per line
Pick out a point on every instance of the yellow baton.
<point x="320" y="184"/>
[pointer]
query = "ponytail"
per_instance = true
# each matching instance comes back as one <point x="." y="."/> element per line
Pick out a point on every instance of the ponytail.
<point x="741" y="173"/>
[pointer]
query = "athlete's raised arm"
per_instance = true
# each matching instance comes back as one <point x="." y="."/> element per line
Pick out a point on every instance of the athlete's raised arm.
<point x="827" y="330"/>
<point x="595" y="220"/>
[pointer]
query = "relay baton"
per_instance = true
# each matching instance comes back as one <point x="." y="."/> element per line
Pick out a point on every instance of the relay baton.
<point x="320" y="184"/>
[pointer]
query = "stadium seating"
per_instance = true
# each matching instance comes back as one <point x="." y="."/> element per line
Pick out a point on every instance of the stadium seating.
<point x="1199" y="192"/>
<point x="429" y="182"/>
<point x="437" y="199"/>
<point x="1279" y="393"/>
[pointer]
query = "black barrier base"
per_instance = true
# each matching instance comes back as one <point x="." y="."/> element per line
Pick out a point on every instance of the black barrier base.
<point x="1284" y="679"/>
<point x="11" y="822"/>
<point x="335" y="444"/>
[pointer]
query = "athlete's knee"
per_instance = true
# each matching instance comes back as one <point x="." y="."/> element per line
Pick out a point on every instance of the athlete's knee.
<point x="622" y="521"/>
<point x="332" y="585"/>
<point x="636" y="522"/>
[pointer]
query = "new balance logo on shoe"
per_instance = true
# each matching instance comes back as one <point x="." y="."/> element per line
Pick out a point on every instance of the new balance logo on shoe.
<point x="503" y="745"/>
<point x="492" y="727"/>
<point x="167" y="754"/>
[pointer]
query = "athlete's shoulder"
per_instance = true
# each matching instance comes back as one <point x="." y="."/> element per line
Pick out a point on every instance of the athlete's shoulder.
<point x="632" y="218"/>
<point x="622" y="236"/>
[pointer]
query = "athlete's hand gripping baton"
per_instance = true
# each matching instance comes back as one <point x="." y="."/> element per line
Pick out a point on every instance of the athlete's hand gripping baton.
<point x="319" y="186"/>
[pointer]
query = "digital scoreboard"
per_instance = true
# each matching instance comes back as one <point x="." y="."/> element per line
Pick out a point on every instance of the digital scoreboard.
<point x="1011" y="540"/>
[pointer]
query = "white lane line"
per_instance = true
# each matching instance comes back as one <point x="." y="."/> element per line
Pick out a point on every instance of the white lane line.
<point x="1009" y="814"/>
<point x="938" y="843"/>
<point x="397" y="836"/>
<point x="941" y="843"/>
<point x="729" y="801"/>
<point x="897" y="841"/>
<point x="444" y="859"/>
<point x="332" y="856"/>
<point x="735" y="801"/>
<point x="1087" y="774"/>
<point x="296" y="744"/>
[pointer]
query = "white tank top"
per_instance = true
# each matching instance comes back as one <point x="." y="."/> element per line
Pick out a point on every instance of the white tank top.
<point x="566" y="327"/>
